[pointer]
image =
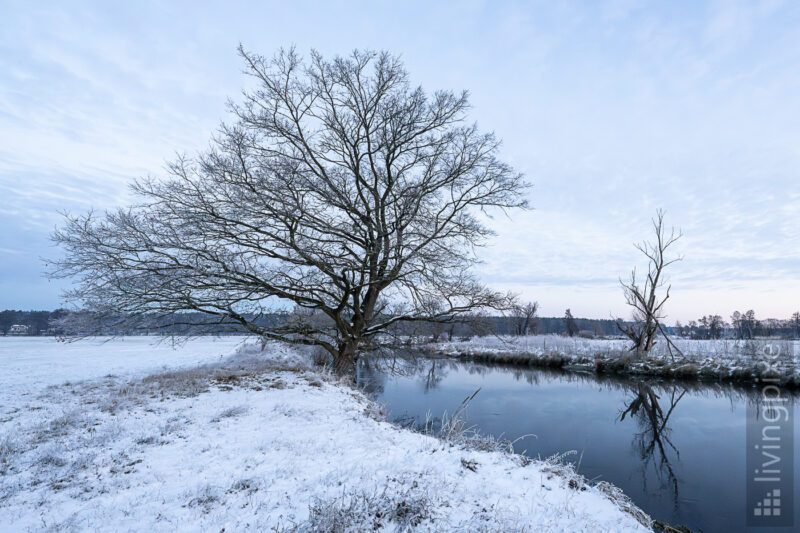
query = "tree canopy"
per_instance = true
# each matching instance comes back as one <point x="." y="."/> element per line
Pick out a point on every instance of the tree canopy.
<point x="339" y="189"/>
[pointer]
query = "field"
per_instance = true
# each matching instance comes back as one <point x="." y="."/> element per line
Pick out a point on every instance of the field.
<point x="252" y="441"/>
<point x="31" y="363"/>
<point x="692" y="348"/>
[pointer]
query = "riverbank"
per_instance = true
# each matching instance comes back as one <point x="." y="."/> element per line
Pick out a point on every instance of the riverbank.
<point x="256" y="442"/>
<point x="714" y="360"/>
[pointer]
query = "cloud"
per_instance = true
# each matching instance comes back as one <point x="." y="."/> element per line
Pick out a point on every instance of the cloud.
<point x="612" y="110"/>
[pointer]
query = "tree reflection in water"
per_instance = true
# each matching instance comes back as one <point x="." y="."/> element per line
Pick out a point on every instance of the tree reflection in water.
<point x="635" y="427"/>
<point x="653" y="442"/>
<point x="373" y="372"/>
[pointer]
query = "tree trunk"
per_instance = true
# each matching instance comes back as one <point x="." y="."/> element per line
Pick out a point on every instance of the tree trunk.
<point x="344" y="362"/>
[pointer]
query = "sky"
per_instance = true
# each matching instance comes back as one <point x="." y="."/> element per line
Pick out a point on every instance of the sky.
<point x="612" y="110"/>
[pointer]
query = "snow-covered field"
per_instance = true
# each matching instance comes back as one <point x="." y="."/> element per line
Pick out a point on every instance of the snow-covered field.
<point x="253" y="442"/>
<point x="692" y="348"/>
<point x="28" y="364"/>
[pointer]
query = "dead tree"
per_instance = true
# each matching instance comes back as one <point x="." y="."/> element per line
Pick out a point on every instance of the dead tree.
<point x="339" y="189"/>
<point x="647" y="299"/>
<point x="523" y="317"/>
<point x="655" y="432"/>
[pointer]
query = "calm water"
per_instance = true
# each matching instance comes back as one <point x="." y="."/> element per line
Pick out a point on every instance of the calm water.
<point x="692" y="472"/>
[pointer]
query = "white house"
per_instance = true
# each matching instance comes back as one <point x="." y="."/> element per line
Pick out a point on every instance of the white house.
<point x="18" y="329"/>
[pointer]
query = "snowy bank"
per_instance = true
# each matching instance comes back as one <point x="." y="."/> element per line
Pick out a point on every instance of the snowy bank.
<point x="725" y="360"/>
<point x="256" y="443"/>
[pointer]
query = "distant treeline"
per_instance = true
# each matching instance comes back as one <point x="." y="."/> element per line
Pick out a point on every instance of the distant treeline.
<point x="66" y="322"/>
<point x="741" y="326"/>
<point x="558" y="325"/>
<point x="62" y="321"/>
<point x="37" y="322"/>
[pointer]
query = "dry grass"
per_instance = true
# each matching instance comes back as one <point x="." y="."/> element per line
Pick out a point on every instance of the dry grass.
<point x="205" y="499"/>
<point x="231" y="412"/>
<point x="360" y="511"/>
<point x="455" y="430"/>
<point x="112" y="395"/>
<point x="623" y="502"/>
<point x="9" y="448"/>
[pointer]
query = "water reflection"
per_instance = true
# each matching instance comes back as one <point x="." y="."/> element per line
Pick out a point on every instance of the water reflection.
<point x="655" y="433"/>
<point x="676" y="448"/>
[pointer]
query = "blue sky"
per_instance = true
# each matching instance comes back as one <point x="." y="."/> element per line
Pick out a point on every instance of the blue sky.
<point x="611" y="110"/>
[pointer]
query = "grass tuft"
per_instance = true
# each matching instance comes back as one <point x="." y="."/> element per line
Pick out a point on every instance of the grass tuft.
<point x="231" y="412"/>
<point x="369" y="512"/>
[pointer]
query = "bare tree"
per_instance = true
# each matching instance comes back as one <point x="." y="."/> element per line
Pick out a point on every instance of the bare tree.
<point x="751" y="324"/>
<point x="744" y="324"/>
<point x="737" y="322"/>
<point x="655" y="431"/>
<point x="477" y="324"/>
<point x="647" y="299"/>
<point x="570" y="326"/>
<point x="712" y="326"/>
<point x="340" y="189"/>
<point x="524" y="317"/>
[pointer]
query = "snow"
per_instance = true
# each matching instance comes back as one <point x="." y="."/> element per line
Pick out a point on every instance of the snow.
<point x="721" y="358"/>
<point x="253" y="442"/>
<point x="692" y="348"/>
<point x="29" y="363"/>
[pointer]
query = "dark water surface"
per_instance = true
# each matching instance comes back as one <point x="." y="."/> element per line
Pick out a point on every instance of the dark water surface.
<point x="684" y="464"/>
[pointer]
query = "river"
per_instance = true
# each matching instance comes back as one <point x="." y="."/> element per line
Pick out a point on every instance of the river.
<point x="677" y="449"/>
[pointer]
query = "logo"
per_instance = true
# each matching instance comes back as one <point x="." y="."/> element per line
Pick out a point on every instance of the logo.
<point x="770" y="505"/>
<point x="770" y="444"/>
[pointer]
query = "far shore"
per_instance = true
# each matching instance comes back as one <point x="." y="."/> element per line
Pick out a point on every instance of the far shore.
<point x="742" y="361"/>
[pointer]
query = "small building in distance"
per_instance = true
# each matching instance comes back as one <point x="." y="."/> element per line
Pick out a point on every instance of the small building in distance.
<point x="18" y="329"/>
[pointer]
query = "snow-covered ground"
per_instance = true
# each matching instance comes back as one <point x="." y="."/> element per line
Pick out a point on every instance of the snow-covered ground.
<point x="704" y="359"/>
<point x="28" y="364"/>
<point x="255" y="442"/>
<point x="692" y="348"/>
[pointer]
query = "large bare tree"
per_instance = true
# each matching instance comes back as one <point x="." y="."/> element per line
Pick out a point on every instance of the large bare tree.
<point x="339" y="190"/>
<point x="647" y="298"/>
